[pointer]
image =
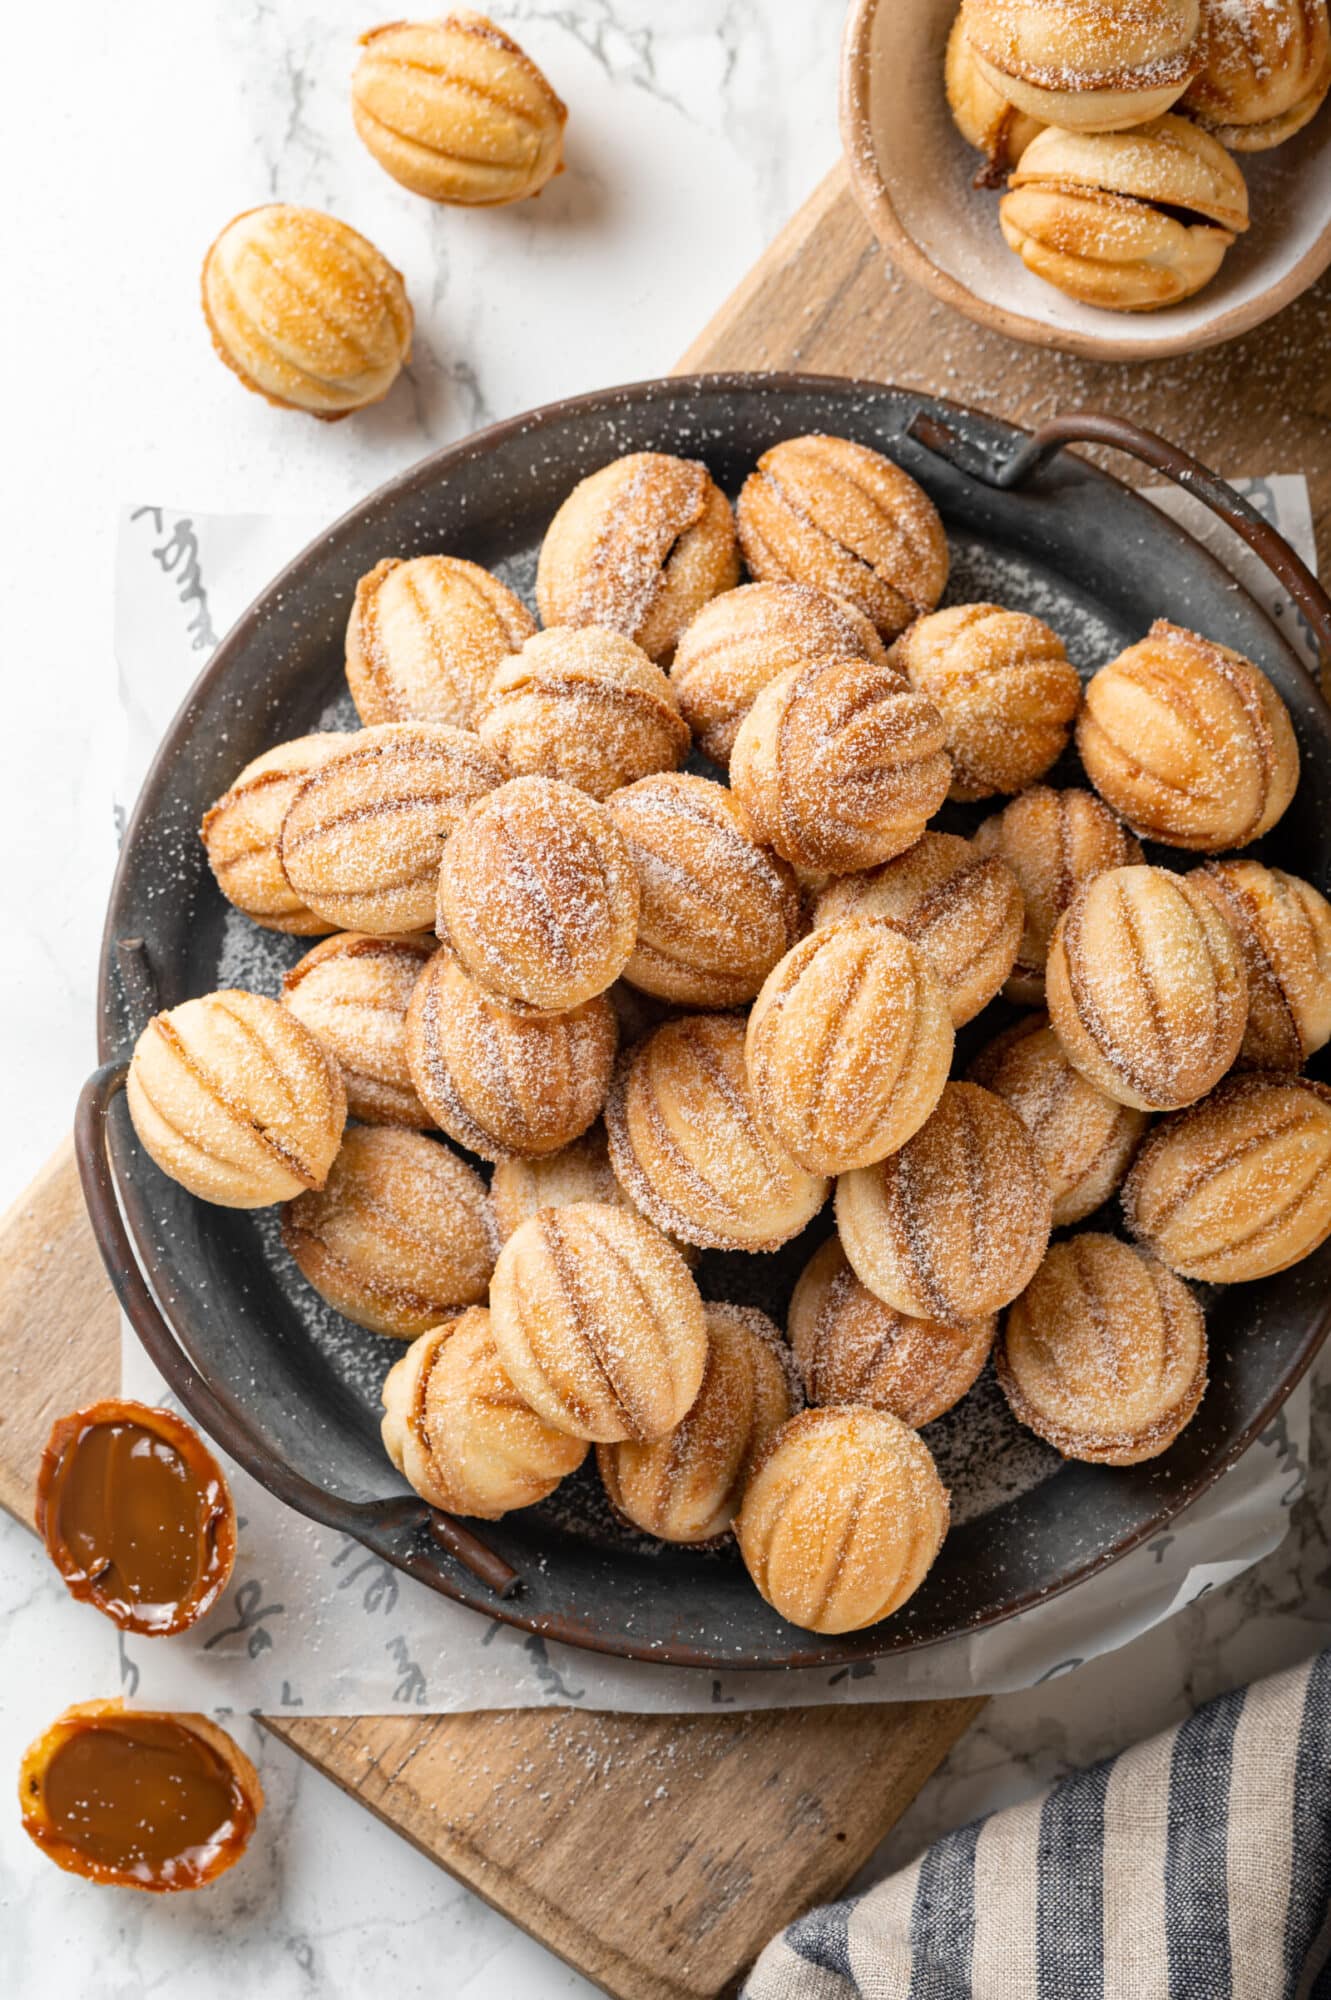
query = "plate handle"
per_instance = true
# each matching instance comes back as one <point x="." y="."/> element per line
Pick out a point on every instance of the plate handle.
<point x="1093" y="427"/>
<point x="392" y="1525"/>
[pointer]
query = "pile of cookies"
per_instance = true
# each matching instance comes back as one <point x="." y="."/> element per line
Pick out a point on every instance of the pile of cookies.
<point x="677" y="1014"/>
<point x="1115" y="128"/>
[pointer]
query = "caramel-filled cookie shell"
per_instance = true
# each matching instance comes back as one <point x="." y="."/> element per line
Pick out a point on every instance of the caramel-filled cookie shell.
<point x="848" y="1045"/>
<point x="842" y="518"/>
<point x="1189" y="741"/>
<point x="1104" y="1353"/>
<point x="842" y="1518"/>
<point x="1283" y="926"/>
<point x="400" y="1235"/>
<point x="586" y="705"/>
<point x="500" y="1082"/>
<point x="459" y="1432"/>
<point x="242" y="834"/>
<point x="352" y="991"/>
<point x="955" y="1224"/>
<point x="1238" y="1186"/>
<point x="1146" y="987"/>
<point x="1266" y="70"/>
<point x="580" y="1171"/>
<point x="686" y="1487"/>
<point x="1053" y="842"/>
<point x="1089" y="66"/>
<point x="598" y="1324"/>
<point x="690" y="1148"/>
<point x="853" y="1347"/>
<point x="962" y="909"/>
<point x="425" y="637"/>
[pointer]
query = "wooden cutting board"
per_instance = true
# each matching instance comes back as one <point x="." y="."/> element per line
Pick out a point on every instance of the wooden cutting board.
<point x="752" y="1817"/>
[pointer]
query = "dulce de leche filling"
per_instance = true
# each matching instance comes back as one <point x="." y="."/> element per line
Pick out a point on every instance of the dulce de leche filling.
<point x="136" y="1515"/>
<point x="148" y="1801"/>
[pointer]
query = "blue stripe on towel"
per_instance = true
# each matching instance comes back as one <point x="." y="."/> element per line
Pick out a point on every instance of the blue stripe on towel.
<point x="942" y="1920"/>
<point x="1196" y="1852"/>
<point x="1070" y="1888"/>
<point x="1310" y="1881"/>
<point x="821" y="1938"/>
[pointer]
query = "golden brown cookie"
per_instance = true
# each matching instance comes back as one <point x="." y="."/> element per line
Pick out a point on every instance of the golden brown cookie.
<point x="1090" y="65"/>
<point x="848" y="1045"/>
<point x="1266" y="70"/>
<point x="1104" y="1353"/>
<point x="854" y="1348"/>
<point x="961" y="908"/>
<point x="1084" y="1138"/>
<point x="1146" y="987"/>
<point x="305" y="310"/>
<point x="500" y="1082"/>
<point x="689" y="1148"/>
<point x="459" y="1432"/>
<point x="955" y="1224"/>
<point x="1004" y="687"/>
<point x="537" y="897"/>
<point x="744" y="639"/>
<point x="580" y="1171"/>
<point x="362" y="838"/>
<point x="844" y="519"/>
<point x="639" y="546"/>
<point x="842" y="1518"/>
<point x="1284" y="928"/>
<point x="1189" y="741"/>
<point x="840" y="764"/>
<point x="425" y="637"/>
<point x="1238" y="1186"/>
<point x="598" y="1324"/>
<point x="985" y="118"/>
<point x="456" y="111"/>
<point x="400" y="1236"/>
<point x="686" y="1487"/>
<point x="353" y="991"/>
<point x="242" y="833"/>
<point x="586" y="705"/>
<point x="1053" y="842"/>
<point x="236" y="1099"/>
<point x="718" y="908"/>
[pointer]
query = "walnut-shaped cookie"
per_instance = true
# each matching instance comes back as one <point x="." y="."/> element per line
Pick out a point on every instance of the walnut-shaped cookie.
<point x="834" y="514"/>
<point x="853" y="1347"/>
<point x="686" y="1487"/>
<point x="718" y="908"/>
<point x="454" y="110"/>
<point x="1089" y="65"/>
<point x="598" y="1323"/>
<point x="1238" y="1186"/>
<point x="236" y="1099"/>
<point x="242" y="833"/>
<point x="1053" y="842"/>
<point x="639" y="546"/>
<point x="1104" y="1353"/>
<point x="305" y="310"/>
<point x="842" y="1518"/>
<point x="848" y="1045"/>
<point x="584" y="704"/>
<point x="1085" y="1139"/>
<point x="459" y="1432"/>
<point x="1266" y="70"/>
<point x="1189" y="741"/>
<point x="362" y="838"/>
<point x="353" y="991"/>
<point x="963" y="909"/>
<point x="690" y="1149"/>
<point x="1146" y="987"/>
<point x="744" y="639"/>
<point x="1283" y="925"/>
<point x="580" y="1171"/>
<point x="1125" y="220"/>
<point x="840" y="764"/>
<point x="400" y="1235"/>
<point x="985" y="118"/>
<point x="1003" y="685"/>
<point x="954" y="1224"/>
<point x="538" y="897"/>
<point x="500" y="1082"/>
<point x="425" y="637"/>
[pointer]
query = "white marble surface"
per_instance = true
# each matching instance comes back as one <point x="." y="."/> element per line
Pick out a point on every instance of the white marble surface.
<point x="127" y="141"/>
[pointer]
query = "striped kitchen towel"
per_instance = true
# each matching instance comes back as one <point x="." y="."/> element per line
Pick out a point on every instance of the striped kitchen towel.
<point x="1195" y="1867"/>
